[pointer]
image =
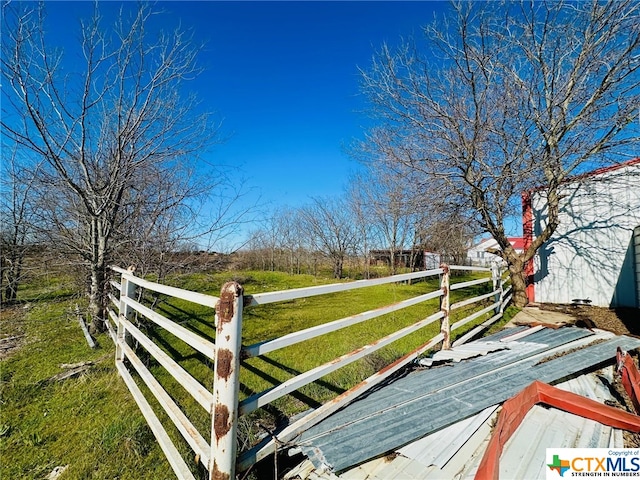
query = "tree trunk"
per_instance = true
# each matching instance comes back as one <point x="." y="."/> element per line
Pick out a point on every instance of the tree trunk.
<point x="12" y="273"/>
<point x="2" y="270"/>
<point x="337" y="267"/>
<point x="97" y="291"/>
<point x="392" y="261"/>
<point x="518" y="282"/>
<point x="96" y="298"/>
<point x="13" y="282"/>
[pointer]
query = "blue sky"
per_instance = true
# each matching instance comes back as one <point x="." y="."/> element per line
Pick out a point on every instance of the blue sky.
<point x="283" y="76"/>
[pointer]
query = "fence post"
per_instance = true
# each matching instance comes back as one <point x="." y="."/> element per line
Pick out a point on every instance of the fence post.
<point x="127" y="289"/>
<point x="445" y="326"/>
<point x="497" y="286"/>
<point x="226" y="382"/>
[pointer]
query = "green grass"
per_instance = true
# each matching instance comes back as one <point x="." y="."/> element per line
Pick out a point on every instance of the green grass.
<point x="274" y="320"/>
<point x="92" y="423"/>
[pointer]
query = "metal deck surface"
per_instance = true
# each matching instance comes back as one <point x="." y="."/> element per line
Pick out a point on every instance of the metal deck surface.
<point x="429" y="400"/>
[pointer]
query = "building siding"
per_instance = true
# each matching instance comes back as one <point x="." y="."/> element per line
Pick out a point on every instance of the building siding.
<point x="591" y="254"/>
<point x="636" y="249"/>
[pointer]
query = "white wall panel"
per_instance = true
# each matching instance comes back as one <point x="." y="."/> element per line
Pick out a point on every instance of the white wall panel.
<point x="591" y="254"/>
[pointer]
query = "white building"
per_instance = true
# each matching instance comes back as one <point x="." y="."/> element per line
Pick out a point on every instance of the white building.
<point x="591" y="254"/>
<point x="484" y="253"/>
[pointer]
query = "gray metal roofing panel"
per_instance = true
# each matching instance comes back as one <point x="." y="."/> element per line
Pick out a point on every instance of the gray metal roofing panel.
<point x="461" y="448"/>
<point x="519" y="335"/>
<point x="464" y="351"/>
<point x="346" y="438"/>
<point x="422" y="382"/>
<point x="507" y="332"/>
<point x="553" y="336"/>
<point x="523" y="455"/>
<point x="522" y="458"/>
<point x="439" y="447"/>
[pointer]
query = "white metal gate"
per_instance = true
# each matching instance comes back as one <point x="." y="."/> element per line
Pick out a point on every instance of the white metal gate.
<point x="221" y="400"/>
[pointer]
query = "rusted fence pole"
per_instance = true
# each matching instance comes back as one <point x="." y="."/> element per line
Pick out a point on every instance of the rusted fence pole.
<point x="226" y="382"/>
<point x="445" y="307"/>
<point x="127" y="289"/>
<point x="497" y="286"/>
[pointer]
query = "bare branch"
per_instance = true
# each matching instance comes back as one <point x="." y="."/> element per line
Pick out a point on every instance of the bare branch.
<point x="504" y="97"/>
<point x="118" y="137"/>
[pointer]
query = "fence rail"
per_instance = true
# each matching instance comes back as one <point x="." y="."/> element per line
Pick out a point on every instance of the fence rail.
<point x="221" y="400"/>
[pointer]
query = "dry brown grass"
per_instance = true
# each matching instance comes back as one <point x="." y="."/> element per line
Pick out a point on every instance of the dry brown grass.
<point x="621" y="321"/>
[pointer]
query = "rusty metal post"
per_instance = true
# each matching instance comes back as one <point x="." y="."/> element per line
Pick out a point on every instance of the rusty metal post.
<point x="226" y="382"/>
<point x="127" y="289"/>
<point x="497" y="286"/>
<point x="445" y="307"/>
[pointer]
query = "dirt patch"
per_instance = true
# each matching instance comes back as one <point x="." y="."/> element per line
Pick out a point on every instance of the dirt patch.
<point x="9" y="345"/>
<point x="621" y="321"/>
<point x="567" y="352"/>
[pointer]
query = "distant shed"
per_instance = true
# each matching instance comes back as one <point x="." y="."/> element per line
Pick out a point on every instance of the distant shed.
<point x="591" y="256"/>
<point x="484" y="253"/>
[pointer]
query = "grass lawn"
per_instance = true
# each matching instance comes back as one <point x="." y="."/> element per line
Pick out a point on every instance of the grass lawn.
<point x="89" y="423"/>
<point x="92" y="423"/>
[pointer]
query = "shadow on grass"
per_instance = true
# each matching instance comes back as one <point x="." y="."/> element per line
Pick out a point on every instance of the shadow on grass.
<point x="293" y="371"/>
<point x="174" y="353"/>
<point x="311" y="402"/>
<point x="279" y="417"/>
<point x="53" y="296"/>
<point x="190" y="317"/>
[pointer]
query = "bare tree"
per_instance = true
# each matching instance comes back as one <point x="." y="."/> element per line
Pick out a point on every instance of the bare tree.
<point x="290" y="238"/>
<point x="282" y="243"/>
<point x="17" y="222"/>
<point x="386" y="200"/>
<point x="362" y="223"/>
<point x="449" y="236"/>
<point x="264" y="243"/>
<point x="329" y="227"/>
<point x="177" y="221"/>
<point x="104" y="128"/>
<point x="504" y="97"/>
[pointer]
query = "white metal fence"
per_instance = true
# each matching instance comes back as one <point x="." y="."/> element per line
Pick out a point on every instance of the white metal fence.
<point x="221" y="400"/>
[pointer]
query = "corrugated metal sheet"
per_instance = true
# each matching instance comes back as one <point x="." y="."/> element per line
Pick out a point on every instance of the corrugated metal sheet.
<point x="521" y="333"/>
<point x="463" y="352"/>
<point x="455" y="452"/>
<point x="428" y="400"/>
<point x="424" y="382"/>
<point x="521" y="330"/>
<point x="524" y="455"/>
<point x="440" y="447"/>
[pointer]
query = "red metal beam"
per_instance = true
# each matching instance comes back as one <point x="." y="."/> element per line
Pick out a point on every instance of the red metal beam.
<point x="630" y="375"/>
<point x="527" y="240"/>
<point x="515" y="409"/>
